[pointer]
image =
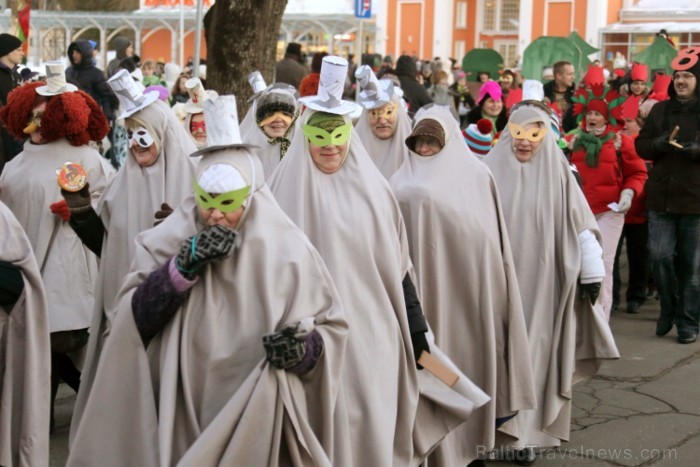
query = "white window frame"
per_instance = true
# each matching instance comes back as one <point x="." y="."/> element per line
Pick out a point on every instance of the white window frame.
<point x="507" y="60"/>
<point x="496" y="20"/>
<point x="460" y="50"/>
<point x="461" y="15"/>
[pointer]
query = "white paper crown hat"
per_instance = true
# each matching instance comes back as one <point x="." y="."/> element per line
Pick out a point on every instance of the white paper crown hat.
<point x="257" y="84"/>
<point x="221" y="118"/>
<point x="331" y="83"/>
<point x="131" y="97"/>
<point x="373" y="92"/>
<point x="533" y="90"/>
<point x="55" y="80"/>
<point x="198" y="95"/>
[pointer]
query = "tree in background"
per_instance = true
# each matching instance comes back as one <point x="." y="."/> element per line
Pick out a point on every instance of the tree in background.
<point x="241" y="37"/>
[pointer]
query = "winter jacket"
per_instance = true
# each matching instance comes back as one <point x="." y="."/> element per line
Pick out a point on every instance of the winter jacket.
<point x="10" y="147"/>
<point x="90" y="79"/>
<point x="603" y="184"/>
<point x="568" y="122"/>
<point x="290" y="71"/>
<point x="414" y="93"/>
<point x="674" y="182"/>
<point x="120" y="44"/>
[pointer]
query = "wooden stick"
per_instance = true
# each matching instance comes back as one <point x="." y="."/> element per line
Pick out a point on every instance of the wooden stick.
<point x="438" y="369"/>
<point x="672" y="139"/>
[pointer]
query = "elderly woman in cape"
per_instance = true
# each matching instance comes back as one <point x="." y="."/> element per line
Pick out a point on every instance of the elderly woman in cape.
<point x="156" y="174"/>
<point x="329" y="187"/>
<point x="228" y="341"/>
<point x="275" y="117"/>
<point x="60" y="121"/>
<point x="384" y="124"/>
<point x="558" y="262"/>
<point x="25" y="350"/>
<point x="466" y="280"/>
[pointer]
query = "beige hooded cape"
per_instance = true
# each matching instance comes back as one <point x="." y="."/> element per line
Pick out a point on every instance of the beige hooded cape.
<point x="387" y="154"/>
<point x="25" y="357"/>
<point x="202" y="393"/>
<point x="126" y="208"/>
<point x="545" y="211"/>
<point x="466" y="282"/>
<point x="353" y="219"/>
<point x="68" y="268"/>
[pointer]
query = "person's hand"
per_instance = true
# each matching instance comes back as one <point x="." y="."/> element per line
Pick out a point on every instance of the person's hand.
<point x="283" y="349"/>
<point x="592" y="290"/>
<point x="78" y="201"/>
<point x="165" y="211"/>
<point x="60" y="208"/>
<point x="208" y="246"/>
<point x="625" y="202"/>
<point x="660" y="143"/>
<point x="420" y="343"/>
<point x="690" y="150"/>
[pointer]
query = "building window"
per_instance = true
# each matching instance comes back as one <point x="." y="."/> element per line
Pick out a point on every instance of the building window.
<point x="501" y="15"/>
<point x="461" y="16"/>
<point x="508" y="50"/>
<point x="460" y="50"/>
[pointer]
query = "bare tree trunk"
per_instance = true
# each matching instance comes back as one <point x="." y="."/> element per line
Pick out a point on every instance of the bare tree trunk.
<point x="241" y="37"/>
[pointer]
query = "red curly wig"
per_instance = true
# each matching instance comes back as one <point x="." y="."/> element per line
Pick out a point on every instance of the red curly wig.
<point x="71" y="115"/>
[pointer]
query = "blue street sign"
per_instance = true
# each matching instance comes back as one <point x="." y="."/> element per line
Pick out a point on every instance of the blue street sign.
<point x="363" y="9"/>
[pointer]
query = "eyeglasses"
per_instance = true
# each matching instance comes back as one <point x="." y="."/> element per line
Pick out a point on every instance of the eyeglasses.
<point x="683" y="76"/>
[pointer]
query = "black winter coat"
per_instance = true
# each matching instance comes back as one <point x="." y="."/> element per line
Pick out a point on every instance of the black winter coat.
<point x="414" y="93"/>
<point x="91" y="79"/>
<point x="10" y="147"/>
<point x="674" y="181"/>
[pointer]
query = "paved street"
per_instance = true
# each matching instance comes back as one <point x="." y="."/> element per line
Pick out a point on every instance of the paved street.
<point x="643" y="409"/>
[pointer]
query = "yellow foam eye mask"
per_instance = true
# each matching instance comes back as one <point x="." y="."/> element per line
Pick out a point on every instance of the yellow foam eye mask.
<point x="281" y="115"/>
<point x="225" y="202"/>
<point x="386" y="112"/>
<point x="533" y="134"/>
<point x="322" y="138"/>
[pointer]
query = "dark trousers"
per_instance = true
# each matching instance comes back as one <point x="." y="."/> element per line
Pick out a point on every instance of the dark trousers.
<point x="635" y="235"/>
<point x="677" y="277"/>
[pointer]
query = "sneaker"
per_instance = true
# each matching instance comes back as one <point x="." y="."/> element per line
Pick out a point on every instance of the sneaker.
<point x="633" y="307"/>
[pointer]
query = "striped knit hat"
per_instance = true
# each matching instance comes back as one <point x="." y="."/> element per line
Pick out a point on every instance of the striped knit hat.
<point x="478" y="137"/>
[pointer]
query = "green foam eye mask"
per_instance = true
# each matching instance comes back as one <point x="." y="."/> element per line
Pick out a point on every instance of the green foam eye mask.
<point x="322" y="138"/>
<point x="225" y="202"/>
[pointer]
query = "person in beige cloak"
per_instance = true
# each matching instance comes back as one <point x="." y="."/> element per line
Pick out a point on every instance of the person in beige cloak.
<point x="276" y="112"/>
<point x="60" y="121"/>
<point x="558" y="262"/>
<point x="329" y="187"/>
<point x="384" y="124"/>
<point x="466" y="279"/>
<point x="229" y="337"/>
<point x="157" y="174"/>
<point x="25" y="350"/>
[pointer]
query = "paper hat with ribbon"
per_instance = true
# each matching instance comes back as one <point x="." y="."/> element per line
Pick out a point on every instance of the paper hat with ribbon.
<point x="221" y="117"/>
<point x="131" y="97"/>
<point x="331" y="83"/>
<point x="55" y="81"/>
<point x="257" y="84"/>
<point x="198" y="95"/>
<point x="478" y="137"/>
<point x="373" y="92"/>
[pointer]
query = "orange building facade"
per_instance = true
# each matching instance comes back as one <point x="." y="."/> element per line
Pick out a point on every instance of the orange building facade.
<point x="450" y="28"/>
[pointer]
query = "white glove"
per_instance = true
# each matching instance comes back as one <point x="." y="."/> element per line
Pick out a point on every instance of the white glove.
<point x="592" y="266"/>
<point x="625" y="202"/>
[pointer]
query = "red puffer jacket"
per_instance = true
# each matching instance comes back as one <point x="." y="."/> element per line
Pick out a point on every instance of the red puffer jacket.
<point x="602" y="184"/>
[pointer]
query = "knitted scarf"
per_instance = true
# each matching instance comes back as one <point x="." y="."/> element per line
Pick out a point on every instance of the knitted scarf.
<point x="592" y="144"/>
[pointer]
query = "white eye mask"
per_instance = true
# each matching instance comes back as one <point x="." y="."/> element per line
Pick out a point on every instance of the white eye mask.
<point x="141" y="136"/>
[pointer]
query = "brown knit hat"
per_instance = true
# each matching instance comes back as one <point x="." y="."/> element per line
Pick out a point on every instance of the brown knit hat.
<point x="426" y="127"/>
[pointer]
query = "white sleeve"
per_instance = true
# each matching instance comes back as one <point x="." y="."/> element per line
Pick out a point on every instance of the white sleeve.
<point x="592" y="266"/>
